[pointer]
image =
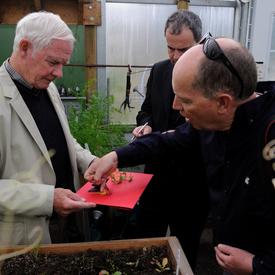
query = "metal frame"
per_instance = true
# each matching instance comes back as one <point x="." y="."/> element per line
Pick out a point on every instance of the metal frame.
<point x="212" y="3"/>
<point x="157" y="2"/>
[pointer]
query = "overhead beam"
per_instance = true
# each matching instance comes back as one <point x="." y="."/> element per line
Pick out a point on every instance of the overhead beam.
<point x="13" y="10"/>
<point x="157" y="2"/>
<point x="214" y="3"/>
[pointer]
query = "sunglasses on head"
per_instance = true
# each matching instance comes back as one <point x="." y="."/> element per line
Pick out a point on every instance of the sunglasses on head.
<point x="213" y="51"/>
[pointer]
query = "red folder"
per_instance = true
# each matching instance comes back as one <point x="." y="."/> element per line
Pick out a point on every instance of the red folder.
<point x="122" y="195"/>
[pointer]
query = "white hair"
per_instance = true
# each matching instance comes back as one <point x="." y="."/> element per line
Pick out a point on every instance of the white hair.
<point x="40" y="28"/>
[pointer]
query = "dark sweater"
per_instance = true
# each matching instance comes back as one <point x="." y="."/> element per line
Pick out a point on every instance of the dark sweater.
<point x="47" y="121"/>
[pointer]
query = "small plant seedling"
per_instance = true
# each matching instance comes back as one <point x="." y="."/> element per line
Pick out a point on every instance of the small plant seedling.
<point x="135" y="264"/>
<point x="105" y="272"/>
<point x="161" y="267"/>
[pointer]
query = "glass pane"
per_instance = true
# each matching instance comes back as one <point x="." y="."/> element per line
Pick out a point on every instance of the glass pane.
<point x="218" y="20"/>
<point x="271" y="67"/>
<point x="135" y="36"/>
<point x="273" y="34"/>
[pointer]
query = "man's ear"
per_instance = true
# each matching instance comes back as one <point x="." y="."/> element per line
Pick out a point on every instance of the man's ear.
<point x="224" y="103"/>
<point x="24" y="47"/>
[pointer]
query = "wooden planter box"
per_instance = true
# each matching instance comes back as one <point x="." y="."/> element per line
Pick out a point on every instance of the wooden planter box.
<point x="174" y="249"/>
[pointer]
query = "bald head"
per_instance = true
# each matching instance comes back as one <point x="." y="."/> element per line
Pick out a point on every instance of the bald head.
<point x="187" y="66"/>
<point x="207" y="67"/>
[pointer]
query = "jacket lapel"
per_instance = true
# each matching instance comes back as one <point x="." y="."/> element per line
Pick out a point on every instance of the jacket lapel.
<point x="19" y="106"/>
<point x="24" y="114"/>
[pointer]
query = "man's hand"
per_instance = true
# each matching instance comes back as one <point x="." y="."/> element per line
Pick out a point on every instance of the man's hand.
<point x="234" y="260"/>
<point x="100" y="169"/>
<point x="137" y="132"/>
<point x="65" y="202"/>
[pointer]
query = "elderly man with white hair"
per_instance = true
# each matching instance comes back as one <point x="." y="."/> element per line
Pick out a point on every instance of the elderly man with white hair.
<point x="39" y="159"/>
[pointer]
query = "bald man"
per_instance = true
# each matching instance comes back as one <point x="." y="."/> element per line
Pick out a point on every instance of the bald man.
<point x="214" y="85"/>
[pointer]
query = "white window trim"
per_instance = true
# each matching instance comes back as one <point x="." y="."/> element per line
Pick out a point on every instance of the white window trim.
<point x="272" y="25"/>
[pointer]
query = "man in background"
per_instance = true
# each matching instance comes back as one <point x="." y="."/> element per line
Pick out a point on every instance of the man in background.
<point x="182" y="31"/>
<point x="39" y="159"/>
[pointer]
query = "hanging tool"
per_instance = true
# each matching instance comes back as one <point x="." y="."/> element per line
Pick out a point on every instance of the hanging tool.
<point x="126" y="102"/>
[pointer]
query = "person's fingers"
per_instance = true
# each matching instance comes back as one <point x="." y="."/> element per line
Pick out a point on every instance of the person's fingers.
<point x="226" y="249"/>
<point x="147" y="130"/>
<point x="91" y="169"/>
<point x="75" y="197"/>
<point x="107" y="165"/>
<point x="219" y="258"/>
<point x="135" y="131"/>
<point x="78" y="205"/>
<point x="89" y="176"/>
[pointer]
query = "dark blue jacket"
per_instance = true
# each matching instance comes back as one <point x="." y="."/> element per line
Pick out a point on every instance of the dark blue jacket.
<point x="157" y="106"/>
<point x="239" y="179"/>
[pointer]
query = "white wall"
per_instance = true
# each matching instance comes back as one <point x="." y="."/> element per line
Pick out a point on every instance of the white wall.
<point x="261" y="33"/>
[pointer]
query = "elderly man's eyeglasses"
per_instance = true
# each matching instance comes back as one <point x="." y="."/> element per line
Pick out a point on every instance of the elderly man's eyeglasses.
<point x="213" y="51"/>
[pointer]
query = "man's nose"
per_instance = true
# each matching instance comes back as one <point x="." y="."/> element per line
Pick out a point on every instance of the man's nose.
<point x="177" y="54"/>
<point x="58" y="71"/>
<point x="176" y="104"/>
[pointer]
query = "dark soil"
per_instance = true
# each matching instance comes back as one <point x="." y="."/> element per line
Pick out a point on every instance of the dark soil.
<point x="135" y="262"/>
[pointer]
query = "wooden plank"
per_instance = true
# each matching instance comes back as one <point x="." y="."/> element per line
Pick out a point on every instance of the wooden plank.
<point x="97" y="245"/>
<point x="179" y="257"/>
<point x="90" y="55"/>
<point x="67" y="9"/>
<point x="37" y="5"/>
<point x="1" y="13"/>
<point x="92" y="13"/>
<point x="13" y="10"/>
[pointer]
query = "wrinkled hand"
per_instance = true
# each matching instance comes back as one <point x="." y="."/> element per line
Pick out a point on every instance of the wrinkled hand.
<point x="137" y="133"/>
<point x="101" y="168"/>
<point x="234" y="260"/>
<point x="65" y="202"/>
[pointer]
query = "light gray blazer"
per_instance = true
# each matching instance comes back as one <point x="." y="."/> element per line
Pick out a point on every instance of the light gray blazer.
<point x="27" y="177"/>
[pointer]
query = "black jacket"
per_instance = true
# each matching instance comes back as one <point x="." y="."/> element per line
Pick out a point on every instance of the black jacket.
<point x="153" y="215"/>
<point x="239" y="179"/>
<point x="157" y="106"/>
